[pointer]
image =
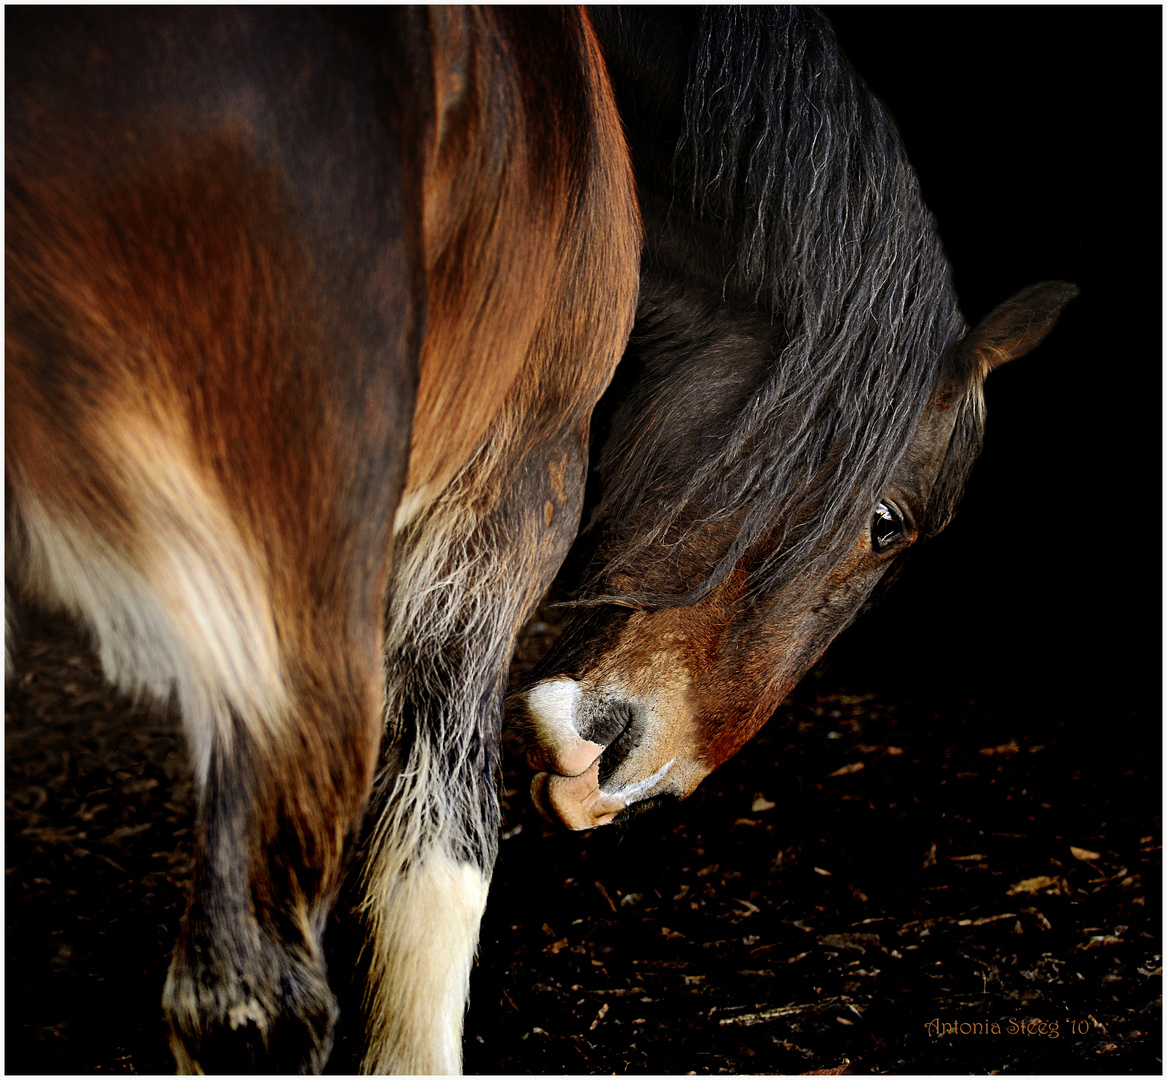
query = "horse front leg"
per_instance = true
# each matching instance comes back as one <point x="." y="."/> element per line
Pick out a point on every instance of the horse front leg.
<point x="463" y="584"/>
<point x="425" y="886"/>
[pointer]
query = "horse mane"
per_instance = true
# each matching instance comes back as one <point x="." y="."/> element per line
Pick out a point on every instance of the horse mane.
<point x="796" y="168"/>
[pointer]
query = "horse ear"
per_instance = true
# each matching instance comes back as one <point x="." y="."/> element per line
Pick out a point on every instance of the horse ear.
<point x="1015" y="327"/>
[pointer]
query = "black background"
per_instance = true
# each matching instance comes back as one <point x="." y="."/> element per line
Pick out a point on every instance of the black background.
<point x="1036" y="136"/>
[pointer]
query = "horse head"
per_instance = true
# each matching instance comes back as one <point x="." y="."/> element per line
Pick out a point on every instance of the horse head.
<point x="640" y="700"/>
<point x="799" y="403"/>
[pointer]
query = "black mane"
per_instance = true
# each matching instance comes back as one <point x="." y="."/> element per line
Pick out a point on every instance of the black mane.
<point x="789" y="194"/>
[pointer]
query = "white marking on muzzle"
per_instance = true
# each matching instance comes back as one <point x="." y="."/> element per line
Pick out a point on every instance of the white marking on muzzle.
<point x="552" y="706"/>
<point x="630" y="793"/>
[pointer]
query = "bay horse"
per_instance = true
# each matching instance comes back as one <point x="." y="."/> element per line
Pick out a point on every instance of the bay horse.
<point x="307" y="311"/>
<point x="800" y="402"/>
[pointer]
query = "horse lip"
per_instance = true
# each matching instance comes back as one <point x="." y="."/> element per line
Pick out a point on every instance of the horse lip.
<point x="579" y="802"/>
<point x="573" y="801"/>
<point x="564" y="760"/>
<point x="577" y="751"/>
<point x="631" y="793"/>
<point x="551" y="709"/>
<point x="648" y="805"/>
<point x="569" y="727"/>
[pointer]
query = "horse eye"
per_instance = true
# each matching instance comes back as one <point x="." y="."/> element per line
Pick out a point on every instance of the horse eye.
<point x="886" y="527"/>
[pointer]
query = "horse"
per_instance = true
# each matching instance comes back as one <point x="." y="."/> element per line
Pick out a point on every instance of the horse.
<point x="800" y="404"/>
<point x="307" y="312"/>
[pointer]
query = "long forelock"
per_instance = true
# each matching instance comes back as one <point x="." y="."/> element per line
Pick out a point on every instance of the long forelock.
<point x="790" y="155"/>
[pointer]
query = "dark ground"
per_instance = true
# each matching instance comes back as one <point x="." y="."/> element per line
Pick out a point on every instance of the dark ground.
<point x="865" y="867"/>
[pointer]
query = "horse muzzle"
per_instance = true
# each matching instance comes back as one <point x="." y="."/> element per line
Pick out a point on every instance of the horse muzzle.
<point x="596" y="752"/>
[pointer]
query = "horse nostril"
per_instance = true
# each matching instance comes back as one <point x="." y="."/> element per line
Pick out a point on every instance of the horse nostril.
<point x="603" y="718"/>
<point x="630" y="723"/>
